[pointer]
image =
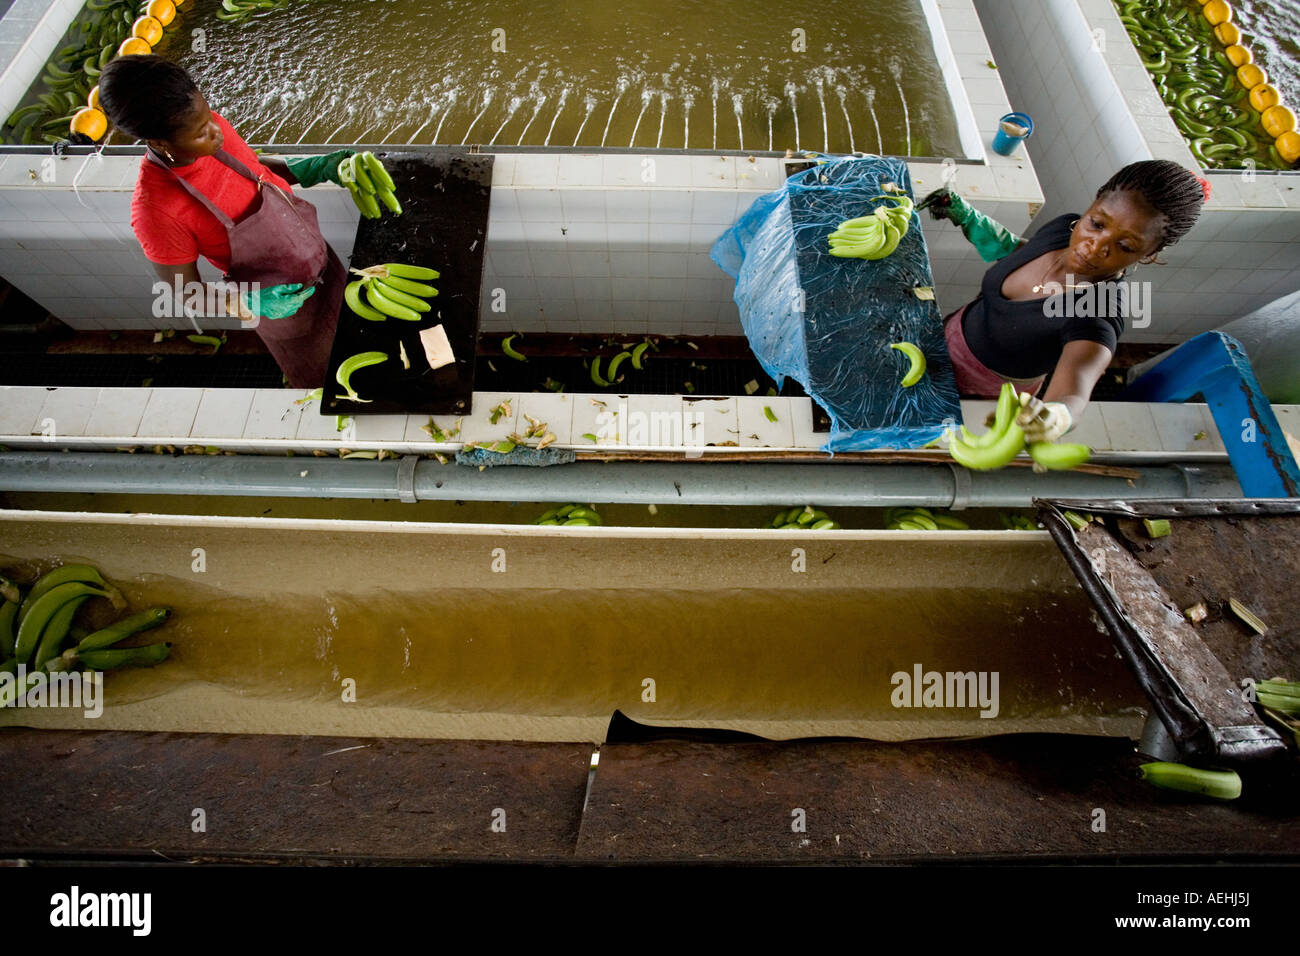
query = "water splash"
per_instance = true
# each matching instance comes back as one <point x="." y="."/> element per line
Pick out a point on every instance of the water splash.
<point x="451" y="104"/>
<point x="687" y="102"/>
<point x="841" y="92"/>
<point x="487" y="101"/>
<point x="564" y="95"/>
<point x="739" y="111"/>
<point x="794" y="104"/>
<point x="541" y="101"/>
<point x="589" y="102"/>
<point x="328" y="111"/>
<point x="907" y="119"/>
<point x="871" y="105"/>
<point x="646" y="96"/>
<point x="622" y="86"/>
<point x="511" y="107"/>
<point x="826" y="134"/>
<point x="715" y="113"/>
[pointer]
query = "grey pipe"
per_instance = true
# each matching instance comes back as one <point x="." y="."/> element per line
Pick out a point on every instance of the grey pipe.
<point x="411" y="478"/>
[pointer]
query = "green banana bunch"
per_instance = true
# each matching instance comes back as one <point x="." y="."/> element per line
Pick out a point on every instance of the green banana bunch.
<point x="873" y="236"/>
<point x="1279" y="695"/>
<point x="392" y="289"/>
<point x="369" y="183"/>
<point x="999" y="444"/>
<point x="350" y="365"/>
<point x="805" y="518"/>
<point x="1013" y="522"/>
<point x="922" y="519"/>
<point x="569" y="516"/>
<point x="1055" y="456"/>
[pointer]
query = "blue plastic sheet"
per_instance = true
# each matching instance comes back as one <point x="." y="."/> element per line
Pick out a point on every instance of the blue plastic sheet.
<point x="828" y="322"/>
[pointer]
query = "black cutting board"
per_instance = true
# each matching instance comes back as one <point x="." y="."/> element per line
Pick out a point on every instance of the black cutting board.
<point x="445" y="196"/>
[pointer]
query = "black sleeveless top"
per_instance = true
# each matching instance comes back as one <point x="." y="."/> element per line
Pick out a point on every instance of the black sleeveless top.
<point x="1024" y="339"/>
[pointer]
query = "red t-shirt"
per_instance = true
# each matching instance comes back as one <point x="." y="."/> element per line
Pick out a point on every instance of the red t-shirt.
<point x="175" y="228"/>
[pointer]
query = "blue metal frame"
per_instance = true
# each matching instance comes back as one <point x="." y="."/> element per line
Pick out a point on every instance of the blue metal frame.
<point x="1216" y="365"/>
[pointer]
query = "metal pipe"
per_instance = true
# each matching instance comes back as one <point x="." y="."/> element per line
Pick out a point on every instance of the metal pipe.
<point x="698" y="483"/>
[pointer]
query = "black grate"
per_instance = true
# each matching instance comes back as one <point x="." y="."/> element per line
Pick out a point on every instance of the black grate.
<point x="130" y="371"/>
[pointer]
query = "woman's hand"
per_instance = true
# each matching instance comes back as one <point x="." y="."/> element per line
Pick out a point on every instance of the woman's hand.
<point x="1077" y="372"/>
<point x="185" y="277"/>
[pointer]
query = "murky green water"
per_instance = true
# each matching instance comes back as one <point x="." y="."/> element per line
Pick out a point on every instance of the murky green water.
<point x="727" y="74"/>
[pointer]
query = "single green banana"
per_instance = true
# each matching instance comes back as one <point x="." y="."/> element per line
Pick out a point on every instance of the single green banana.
<point x="378" y="174"/>
<point x="389" y="201"/>
<point x="510" y="351"/>
<point x="350" y="365"/>
<point x="105" y="660"/>
<point x="611" y="372"/>
<point x="9" y="592"/>
<point x="394" y="294"/>
<point x="388" y="306"/>
<point x="352" y="295"/>
<point x="404" y="271"/>
<point x="67" y="574"/>
<point x="637" y="353"/>
<point x="120" y="630"/>
<point x="56" y="630"/>
<point x="8" y="612"/>
<point x="1059" y="457"/>
<point x="596" y="377"/>
<point x="996" y="455"/>
<point x="40" y="613"/>
<point x="410" y="286"/>
<point x="1219" y="784"/>
<point x="917" y="359"/>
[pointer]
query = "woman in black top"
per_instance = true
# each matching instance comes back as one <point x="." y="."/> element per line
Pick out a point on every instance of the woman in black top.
<point x="1055" y="303"/>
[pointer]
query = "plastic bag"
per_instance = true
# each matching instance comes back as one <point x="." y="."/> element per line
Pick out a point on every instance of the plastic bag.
<point x="828" y="322"/>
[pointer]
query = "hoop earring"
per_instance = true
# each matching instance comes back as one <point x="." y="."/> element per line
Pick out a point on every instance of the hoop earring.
<point x="1073" y="224"/>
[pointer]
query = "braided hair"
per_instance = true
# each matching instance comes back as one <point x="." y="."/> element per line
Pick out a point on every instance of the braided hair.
<point x="146" y="96"/>
<point x="1169" y="189"/>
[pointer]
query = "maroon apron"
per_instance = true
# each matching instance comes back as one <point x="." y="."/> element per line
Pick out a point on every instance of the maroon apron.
<point x="277" y="243"/>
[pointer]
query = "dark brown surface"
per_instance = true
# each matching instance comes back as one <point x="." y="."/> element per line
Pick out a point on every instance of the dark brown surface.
<point x="1027" y="797"/>
<point x="443" y="225"/>
<point x="124" y="793"/>
<point x="1255" y="559"/>
<point x="119" y="795"/>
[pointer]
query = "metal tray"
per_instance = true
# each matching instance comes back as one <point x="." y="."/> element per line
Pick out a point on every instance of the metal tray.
<point x="1194" y="674"/>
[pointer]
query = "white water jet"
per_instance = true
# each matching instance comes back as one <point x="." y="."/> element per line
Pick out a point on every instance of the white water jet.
<point x="589" y="102"/>
<point x="687" y="101"/>
<point x="871" y="105"/>
<point x="510" y="114"/>
<point x="715" y="113"/>
<point x="328" y="110"/>
<point x="541" y="101"/>
<point x="646" y="96"/>
<point x="826" y="135"/>
<point x="433" y="111"/>
<point x="772" y="106"/>
<point x="451" y="103"/>
<point x="907" y="119"/>
<point x="564" y="95"/>
<point x="841" y="92"/>
<point x="739" y="111"/>
<point x="663" y="115"/>
<point x="794" y="104"/>
<point x="622" y="85"/>
<point x="345" y="122"/>
<point x="487" y="101"/>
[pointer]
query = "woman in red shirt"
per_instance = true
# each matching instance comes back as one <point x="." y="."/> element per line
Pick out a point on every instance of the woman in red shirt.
<point x="203" y="191"/>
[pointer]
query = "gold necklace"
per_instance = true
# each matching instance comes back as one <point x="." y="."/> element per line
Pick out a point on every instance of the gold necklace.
<point x="1050" y="267"/>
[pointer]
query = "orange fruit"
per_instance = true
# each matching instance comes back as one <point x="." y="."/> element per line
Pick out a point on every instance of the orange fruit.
<point x="92" y="100"/>
<point x="164" y="11"/>
<point x="1263" y="96"/>
<point x="90" y="122"/>
<point x="1288" y="144"/>
<point x="134" y="46"/>
<point x="1217" y="11"/>
<point x="1251" y="75"/>
<point x="1278" y="120"/>
<point x="1227" y="33"/>
<point x="1239" y="55"/>
<point x="147" y="29"/>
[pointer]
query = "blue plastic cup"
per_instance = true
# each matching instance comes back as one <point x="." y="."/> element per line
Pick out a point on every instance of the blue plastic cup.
<point x="1006" y="145"/>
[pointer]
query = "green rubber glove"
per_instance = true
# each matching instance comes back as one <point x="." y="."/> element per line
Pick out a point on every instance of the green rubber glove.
<point x="990" y="239"/>
<point x="277" y="302"/>
<point x="318" y="169"/>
